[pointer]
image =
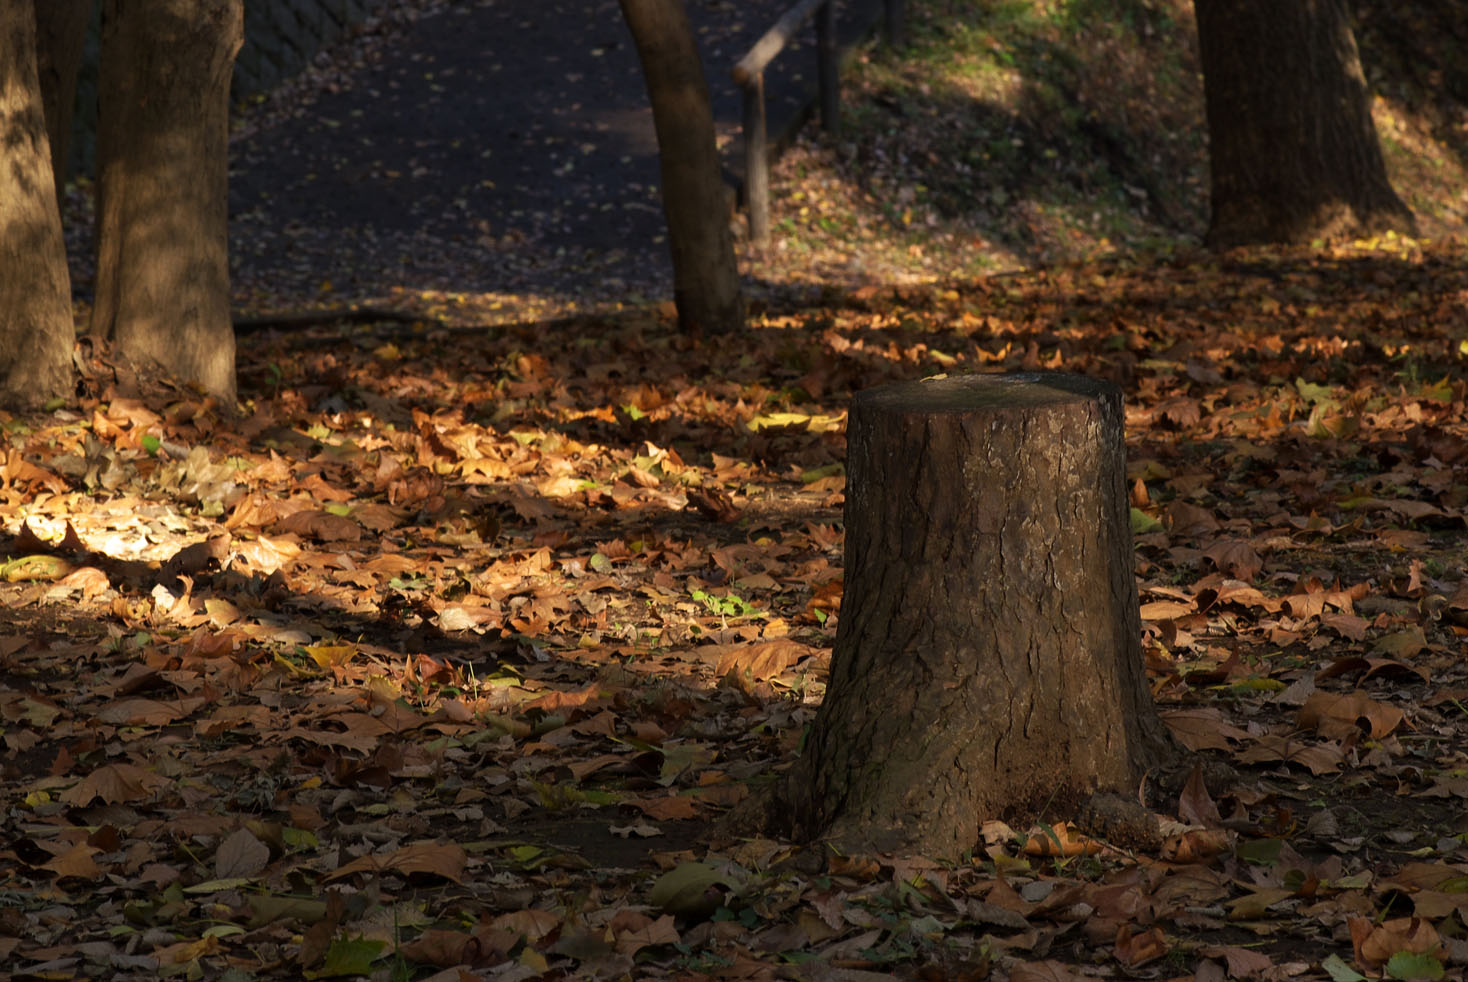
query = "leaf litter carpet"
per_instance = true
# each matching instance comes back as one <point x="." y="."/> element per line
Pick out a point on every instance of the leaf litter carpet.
<point x="444" y="660"/>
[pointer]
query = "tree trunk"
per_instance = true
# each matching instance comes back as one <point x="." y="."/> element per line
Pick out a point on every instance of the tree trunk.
<point x="695" y="200"/>
<point x="36" y="327"/>
<point x="1294" y="152"/>
<point x="162" y="264"/>
<point x="61" y="34"/>
<point x="988" y="659"/>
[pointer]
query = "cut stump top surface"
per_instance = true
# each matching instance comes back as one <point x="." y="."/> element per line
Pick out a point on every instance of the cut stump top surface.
<point x="967" y="393"/>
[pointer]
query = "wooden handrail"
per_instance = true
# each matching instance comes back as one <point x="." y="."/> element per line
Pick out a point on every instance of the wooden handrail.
<point x="774" y="41"/>
<point x="749" y="73"/>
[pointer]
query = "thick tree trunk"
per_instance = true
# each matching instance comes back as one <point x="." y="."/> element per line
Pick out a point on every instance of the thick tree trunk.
<point x="61" y="34"/>
<point x="1294" y="152"/>
<point x="988" y="660"/>
<point x="36" y="327"/>
<point x="705" y="274"/>
<point x="162" y="265"/>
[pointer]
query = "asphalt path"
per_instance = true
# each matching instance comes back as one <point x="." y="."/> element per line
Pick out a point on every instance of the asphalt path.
<point x="492" y="146"/>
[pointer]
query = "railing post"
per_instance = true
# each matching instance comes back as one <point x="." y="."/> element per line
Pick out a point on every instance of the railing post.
<point x="828" y="67"/>
<point x="896" y="29"/>
<point x="756" y="161"/>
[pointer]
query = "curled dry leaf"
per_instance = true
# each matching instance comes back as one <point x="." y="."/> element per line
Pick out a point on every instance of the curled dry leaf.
<point x="1375" y="944"/>
<point x="1135" y="950"/>
<point x="1061" y="840"/>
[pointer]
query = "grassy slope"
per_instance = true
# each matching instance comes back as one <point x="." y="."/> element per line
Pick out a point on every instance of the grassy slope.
<point x="1015" y="132"/>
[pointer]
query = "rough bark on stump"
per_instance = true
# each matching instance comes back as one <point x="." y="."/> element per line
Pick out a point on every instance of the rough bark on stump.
<point x="988" y="660"/>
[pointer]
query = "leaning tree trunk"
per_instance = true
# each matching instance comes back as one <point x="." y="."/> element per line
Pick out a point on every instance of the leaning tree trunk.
<point x="695" y="201"/>
<point x="162" y="264"/>
<point x="61" y="34"/>
<point x="36" y="327"/>
<point x="1294" y="151"/>
<point x="988" y="660"/>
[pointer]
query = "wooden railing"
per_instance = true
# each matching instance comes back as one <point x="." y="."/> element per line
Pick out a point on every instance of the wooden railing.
<point x="749" y="74"/>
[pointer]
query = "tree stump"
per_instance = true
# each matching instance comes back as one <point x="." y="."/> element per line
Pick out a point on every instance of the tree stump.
<point x="988" y="659"/>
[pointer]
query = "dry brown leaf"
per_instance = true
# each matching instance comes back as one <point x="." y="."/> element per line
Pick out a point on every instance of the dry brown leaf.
<point x="115" y="783"/>
<point x="445" y="860"/>
<point x="322" y="526"/>
<point x="1195" y="805"/>
<point x="1319" y="758"/>
<point x="240" y="855"/>
<point x="1237" y="559"/>
<point x="1334" y="715"/>
<point x="1139" y="949"/>
<point x="442" y="948"/>
<point x="763" y="659"/>
<point x="149" y="712"/>
<point x="530" y="924"/>
<point x="1201" y="728"/>
<point x="76" y="862"/>
<point x="1243" y="963"/>
<point x="1045" y="971"/>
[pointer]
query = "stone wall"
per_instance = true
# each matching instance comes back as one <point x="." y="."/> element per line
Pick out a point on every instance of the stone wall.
<point x="281" y="36"/>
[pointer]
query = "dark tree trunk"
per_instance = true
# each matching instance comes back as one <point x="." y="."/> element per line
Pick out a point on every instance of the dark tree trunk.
<point x="36" y="327"/>
<point x="1294" y="152"/>
<point x="61" y="34"/>
<point x="988" y="660"/>
<point x="162" y="264"/>
<point x="695" y="200"/>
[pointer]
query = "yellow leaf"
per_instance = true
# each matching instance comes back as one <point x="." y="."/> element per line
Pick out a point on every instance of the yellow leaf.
<point x="331" y="655"/>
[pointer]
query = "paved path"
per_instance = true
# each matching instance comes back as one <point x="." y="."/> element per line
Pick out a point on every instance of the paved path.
<point x="498" y="147"/>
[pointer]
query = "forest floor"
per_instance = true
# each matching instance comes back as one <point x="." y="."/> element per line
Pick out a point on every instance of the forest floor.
<point x="444" y="660"/>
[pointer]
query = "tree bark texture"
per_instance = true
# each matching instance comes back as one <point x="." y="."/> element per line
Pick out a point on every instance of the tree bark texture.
<point x="988" y="659"/>
<point x="61" y="34"/>
<point x="36" y="327"/>
<point x="162" y="264"/>
<point x="1294" y="151"/>
<point x="695" y="200"/>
